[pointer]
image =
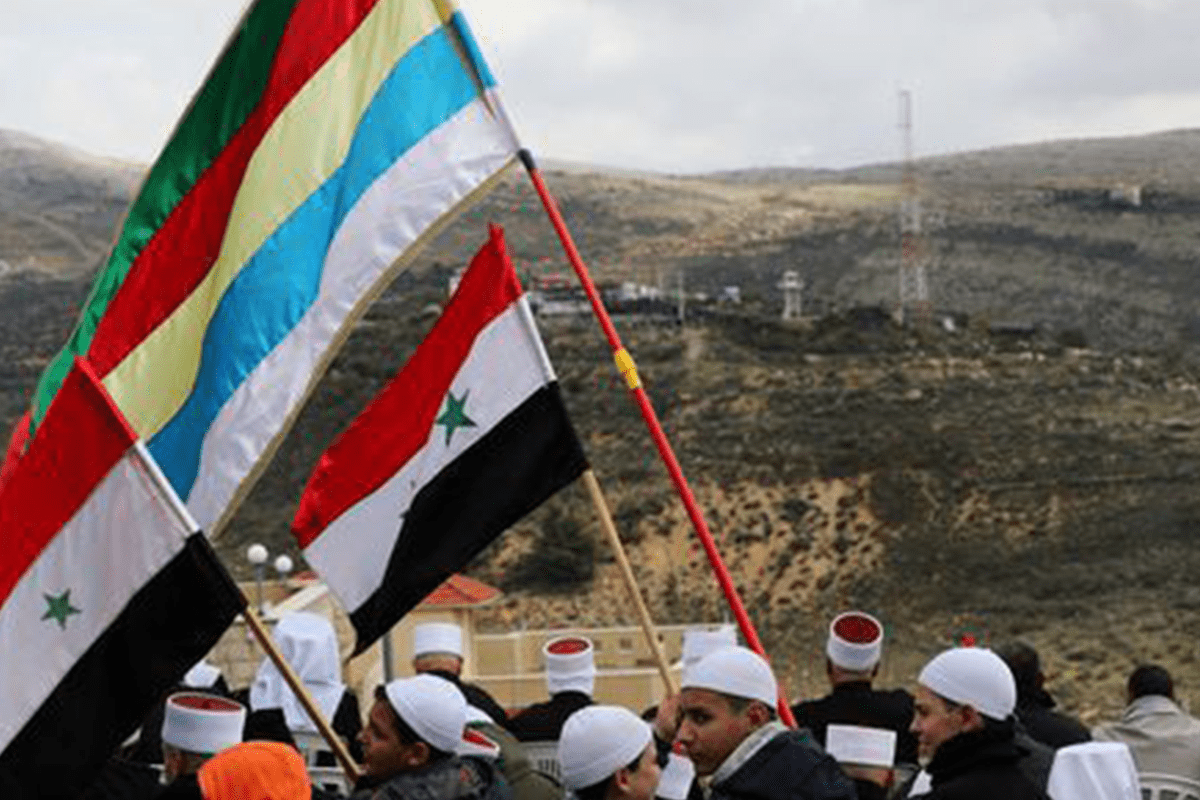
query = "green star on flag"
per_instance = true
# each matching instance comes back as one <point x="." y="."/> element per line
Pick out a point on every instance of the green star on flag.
<point x="455" y="416"/>
<point x="59" y="608"/>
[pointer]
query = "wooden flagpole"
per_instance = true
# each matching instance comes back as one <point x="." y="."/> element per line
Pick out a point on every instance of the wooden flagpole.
<point x="167" y="491"/>
<point x="302" y="694"/>
<point x="610" y="531"/>
<point x="628" y="369"/>
<point x="255" y="624"/>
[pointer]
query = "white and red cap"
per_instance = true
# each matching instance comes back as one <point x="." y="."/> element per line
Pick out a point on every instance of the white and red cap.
<point x="202" y="723"/>
<point x="434" y="708"/>
<point x="1100" y="770"/>
<point x="735" y="671"/>
<point x="570" y="665"/>
<point x="972" y="676"/>
<point x="596" y="741"/>
<point x="855" y="641"/>
<point x="437" y="637"/>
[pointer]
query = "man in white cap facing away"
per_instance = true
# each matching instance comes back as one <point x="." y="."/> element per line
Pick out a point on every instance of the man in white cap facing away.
<point x="608" y="753"/>
<point x="964" y="725"/>
<point x="570" y="680"/>
<point x="728" y="729"/>
<point x="852" y="654"/>
<point x="438" y="650"/>
<point x="196" y="727"/>
<point x="411" y="743"/>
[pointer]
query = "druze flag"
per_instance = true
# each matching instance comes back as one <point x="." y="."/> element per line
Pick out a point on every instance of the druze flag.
<point x="470" y="436"/>
<point x="107" y="595"/>
<point x="330" y="140"/>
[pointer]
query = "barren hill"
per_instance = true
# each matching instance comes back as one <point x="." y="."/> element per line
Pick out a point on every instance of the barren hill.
<point x="1037" y="483"/>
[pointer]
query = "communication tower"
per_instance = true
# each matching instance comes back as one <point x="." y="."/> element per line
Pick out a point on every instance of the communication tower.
<point x="793" y="288"/>
<point x="914" y="287"/>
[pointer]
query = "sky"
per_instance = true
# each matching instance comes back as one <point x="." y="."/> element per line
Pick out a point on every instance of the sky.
<point x="677" y="86"/>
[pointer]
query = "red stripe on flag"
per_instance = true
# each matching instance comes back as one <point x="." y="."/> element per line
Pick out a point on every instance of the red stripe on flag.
<point x="397" y="423"/>
<point x="76" y="445"/>
<point x="187" y="244"/>
<point x="16" y="446"/>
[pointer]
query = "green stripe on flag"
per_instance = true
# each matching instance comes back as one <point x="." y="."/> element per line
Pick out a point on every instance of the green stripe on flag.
<point x="232" y="91"/>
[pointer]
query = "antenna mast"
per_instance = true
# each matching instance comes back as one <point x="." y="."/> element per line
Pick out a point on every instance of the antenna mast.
<point x="914" y="289"/>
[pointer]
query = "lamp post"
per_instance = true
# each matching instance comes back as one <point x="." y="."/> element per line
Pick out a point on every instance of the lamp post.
<point x="257" y="555"/>
<point x="283" y="566"/>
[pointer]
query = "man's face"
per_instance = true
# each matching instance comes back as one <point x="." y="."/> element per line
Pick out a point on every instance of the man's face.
<point x="642" y="782"/>
<point x="710" y="729"/>
<point x="934" y="722"/>
<point x="384" y="755"/>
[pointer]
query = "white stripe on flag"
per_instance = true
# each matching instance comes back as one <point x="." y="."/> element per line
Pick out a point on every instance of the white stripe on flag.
<point x="431" y="178"/>
<point x="119" y="539"/>
<point x="502" y="370"/>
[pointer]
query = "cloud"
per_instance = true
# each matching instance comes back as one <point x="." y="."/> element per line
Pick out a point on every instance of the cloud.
<point x="691" y="86"/>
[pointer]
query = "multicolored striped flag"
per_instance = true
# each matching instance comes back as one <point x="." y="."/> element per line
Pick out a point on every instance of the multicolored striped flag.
<point x="331" y="138"/>
<point x="108" y="594"/>
<point x="469" y="437"/>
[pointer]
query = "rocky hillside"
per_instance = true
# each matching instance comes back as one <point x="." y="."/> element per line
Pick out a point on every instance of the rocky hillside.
<point x="1031" y="480"/>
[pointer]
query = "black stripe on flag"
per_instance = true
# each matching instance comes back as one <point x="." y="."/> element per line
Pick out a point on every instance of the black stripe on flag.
<point x="508" y="472"/>
<point x="168" y="625"/>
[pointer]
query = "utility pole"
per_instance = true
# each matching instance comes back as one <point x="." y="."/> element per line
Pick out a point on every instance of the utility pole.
<point x="914" y="289"/>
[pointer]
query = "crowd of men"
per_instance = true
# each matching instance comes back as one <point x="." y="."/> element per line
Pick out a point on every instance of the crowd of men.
<point x="979" y="724"/>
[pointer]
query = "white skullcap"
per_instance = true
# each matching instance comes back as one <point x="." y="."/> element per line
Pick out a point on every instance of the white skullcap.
<point x="202" y="723"/>
<point x="596" y="741"/>
<point x="857" y="744"/>
<point x="437" y="637"/>
<point x="432" y="707"/>
<point x="1099" y="770"/>
<point x="972" y="676"/>
<point x="570" y="665"/>
<point x="735" y="671"/>
<point x="699" y="642"/>
<point x="855" y="641"/>
<point x="677" y="777"/>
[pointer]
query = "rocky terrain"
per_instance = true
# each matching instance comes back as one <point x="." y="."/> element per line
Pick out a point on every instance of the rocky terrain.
<point x="1028" y="471"/>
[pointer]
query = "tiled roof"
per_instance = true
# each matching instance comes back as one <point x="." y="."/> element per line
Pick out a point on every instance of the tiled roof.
<point x="459" y="590"/>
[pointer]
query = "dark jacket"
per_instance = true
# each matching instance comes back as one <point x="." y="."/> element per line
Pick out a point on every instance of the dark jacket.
<point x="542" y="722"/>
<point x="856" y="703"/>
<point x="791" y="766"/>
<point x="1037" y="714"/>
<point x="475" y="695"/>
<point x="451" y="778"/>
<point x="981" y="765"/>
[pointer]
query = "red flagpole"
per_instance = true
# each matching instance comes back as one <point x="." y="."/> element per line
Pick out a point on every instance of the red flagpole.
<point x="627" y="368"/>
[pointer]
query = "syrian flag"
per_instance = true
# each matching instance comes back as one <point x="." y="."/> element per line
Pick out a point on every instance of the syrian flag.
<point x="107" y="594"/>
<point x="469" y="437"/>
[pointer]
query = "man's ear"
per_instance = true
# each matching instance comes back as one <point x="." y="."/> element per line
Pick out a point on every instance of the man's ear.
<point x="972" y="719"/>
<point x="417" y="755"/>
<point x="758" y="713"/>
<point x="622" y="780"/>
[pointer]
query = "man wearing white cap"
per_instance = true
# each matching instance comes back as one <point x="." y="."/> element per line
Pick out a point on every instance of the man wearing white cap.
<point x="608" y="753"/>
<point x="438" y="650"/>
<point x="852" y="654"/>
<point x="964" y="703"/>
<point x="411" y="743"/>
<point x="570" y="680"/>
<point x="196" y="727"/>
<point x="728" y="729"/>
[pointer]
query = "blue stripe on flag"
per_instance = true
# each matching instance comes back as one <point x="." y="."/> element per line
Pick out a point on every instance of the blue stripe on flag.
<point x="427" y="87"/>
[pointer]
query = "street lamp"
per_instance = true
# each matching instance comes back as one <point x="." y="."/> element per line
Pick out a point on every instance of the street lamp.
<point x="257" y="555"/>
<point x="283" y="566"/>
